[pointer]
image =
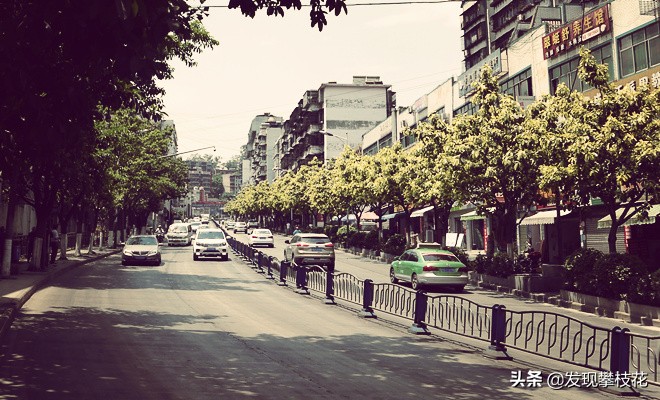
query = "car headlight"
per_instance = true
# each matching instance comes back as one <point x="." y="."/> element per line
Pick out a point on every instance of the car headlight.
<point x="127" y="253"/>
<point x="152" y="253"/>
<point x="200" y="244"/>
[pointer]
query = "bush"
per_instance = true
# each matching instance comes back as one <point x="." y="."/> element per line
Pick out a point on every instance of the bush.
<point x="480" y="264"/>
<point x="331" y="231"/>
<point x="645" y="290"/>
<point x="501" y="265"/>
<point x="460" y="253"/>
<point x="395" y="245"/>
<point x="316" y="229"/>
<point x="616" y="273"/>
<point x="372" y="241"/>
<point x="341" y="233"/>
<point x="356" y="239"/>
<point x="580" y="270"/>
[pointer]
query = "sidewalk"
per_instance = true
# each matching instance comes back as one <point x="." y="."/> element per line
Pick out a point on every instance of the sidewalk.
<point x="18" y="288"/>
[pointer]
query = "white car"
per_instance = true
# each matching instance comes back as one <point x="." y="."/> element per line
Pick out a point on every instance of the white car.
<point x="261" y="237"/>
<point x="179" y="234"/>
<point x="210" y="243"/>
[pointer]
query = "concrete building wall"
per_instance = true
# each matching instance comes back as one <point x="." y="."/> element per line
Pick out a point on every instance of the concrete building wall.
<point x="349" y="112"/>
<point x="273" y="133"/>
<point x="442" y="99"/>
<point x="527" y="52"/>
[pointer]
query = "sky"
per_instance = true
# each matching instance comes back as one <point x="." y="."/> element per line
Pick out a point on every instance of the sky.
<point x="266" y="64"/>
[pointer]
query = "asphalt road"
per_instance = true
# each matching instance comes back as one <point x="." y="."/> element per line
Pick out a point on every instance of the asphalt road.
<point x="213" y="329"/>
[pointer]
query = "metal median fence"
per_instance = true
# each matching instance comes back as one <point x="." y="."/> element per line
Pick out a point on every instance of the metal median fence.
<point x="551" y="335"/>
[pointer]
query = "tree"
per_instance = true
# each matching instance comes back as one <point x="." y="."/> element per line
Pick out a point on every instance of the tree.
<point x="395" y="178"/>
<point x="436" y="182"/>
<point x="494" y="158"/>
<point x="615" y="149"/>
<point x="53" y="82"/>
<point x="317" y="14"/>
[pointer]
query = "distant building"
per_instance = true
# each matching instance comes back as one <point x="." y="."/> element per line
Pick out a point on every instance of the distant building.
<point x="331" y="117"/>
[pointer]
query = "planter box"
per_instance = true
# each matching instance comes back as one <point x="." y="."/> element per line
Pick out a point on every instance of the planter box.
<point x="612" y="308"/>
<point x="386" y="258"/>
<point x="526" y="283"/>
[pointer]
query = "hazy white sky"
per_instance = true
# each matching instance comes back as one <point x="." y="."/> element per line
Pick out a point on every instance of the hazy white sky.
<point x="266" y="64"/>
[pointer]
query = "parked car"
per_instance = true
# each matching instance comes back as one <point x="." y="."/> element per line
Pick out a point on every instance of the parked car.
<point x="210" y="243"/>
<point x="229" y="224"/>
<point x="141" y="249"/>
<point x="429" y="265"/>
<point x="261" y="237"/>
<point x="179" y="234"/>
<point x="310" y="249"/>
<point x="240" y="227"/>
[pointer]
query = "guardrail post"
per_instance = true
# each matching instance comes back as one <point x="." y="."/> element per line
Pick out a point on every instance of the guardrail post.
<point x="260" y="262"/>
<point x="620" y="361"/>
<point x="497" y="349"/>
<point x="367" y="300"/>
<point x="269" y="262"/>
<point x="330" y="286"/>
<point x="419" y="326"/>
<point x="301" y="280"/>
<point x="284" y="269"/>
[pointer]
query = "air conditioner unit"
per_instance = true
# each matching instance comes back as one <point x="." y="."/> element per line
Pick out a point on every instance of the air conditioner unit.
<point x="410" y="109"/>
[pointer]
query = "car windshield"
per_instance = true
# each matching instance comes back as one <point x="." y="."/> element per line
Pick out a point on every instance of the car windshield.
<point x="207" y="234"/>
<point x="315" y="240"/>
<point x="178" y="228"/>
<point x="440" y="257"/>
<point x="142" y="240"/>
<point x="262" y="232"/>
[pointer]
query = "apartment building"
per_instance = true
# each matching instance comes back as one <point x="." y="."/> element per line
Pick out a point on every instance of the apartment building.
<point x="327" y="119"/>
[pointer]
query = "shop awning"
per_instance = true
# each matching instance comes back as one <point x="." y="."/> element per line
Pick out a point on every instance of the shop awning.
<point x="471" y="216"/>
<point x="421" y="212"/>
<point x="369" y="215"/>
<point x="606" y="222"/>
<point x="544" y="217"/>
<point x="390" y="216"/>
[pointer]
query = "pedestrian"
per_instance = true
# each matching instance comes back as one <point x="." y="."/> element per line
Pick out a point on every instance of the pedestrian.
<point x="54" y="243"/>
<point x="30" y="250"/>
<point x="297" y="230"/>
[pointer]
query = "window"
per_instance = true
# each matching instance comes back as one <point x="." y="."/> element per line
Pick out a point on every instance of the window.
<point x="518" y="85"/>
<point x="639" y="50"/>
<point x="567" y="72"/>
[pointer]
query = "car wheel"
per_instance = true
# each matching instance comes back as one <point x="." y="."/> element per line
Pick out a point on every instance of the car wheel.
<point x="393" y="277"/>
<point x="272" y="246"/>
<point x="123" y="263"/>
<point x="414" y="282"/>
<point x="297" y="261"/>
<point x="459" y="289"/>
<point x="226" y="258"/>
<point x="195" y="258"/>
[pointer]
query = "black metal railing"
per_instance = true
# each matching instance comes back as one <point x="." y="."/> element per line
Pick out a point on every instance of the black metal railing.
<point x="546" y="334"/>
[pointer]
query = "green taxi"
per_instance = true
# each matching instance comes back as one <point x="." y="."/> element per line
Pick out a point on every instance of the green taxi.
<point x="429" y="265"/>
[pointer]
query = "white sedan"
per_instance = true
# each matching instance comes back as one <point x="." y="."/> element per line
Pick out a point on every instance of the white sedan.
<point x="210" y="243"/>
<point x="263" y="237"/>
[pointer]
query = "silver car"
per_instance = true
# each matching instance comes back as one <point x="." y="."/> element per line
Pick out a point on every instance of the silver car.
<point x="179" y="234"/>
<point x="141" y="249"/>
<point x="310" y="249"/>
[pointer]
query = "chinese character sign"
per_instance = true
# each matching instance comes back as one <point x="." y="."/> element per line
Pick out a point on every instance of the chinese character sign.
<point x="568" y="36"/>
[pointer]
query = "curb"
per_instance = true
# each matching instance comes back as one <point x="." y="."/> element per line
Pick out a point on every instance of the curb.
<point x="9" y="310"/>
